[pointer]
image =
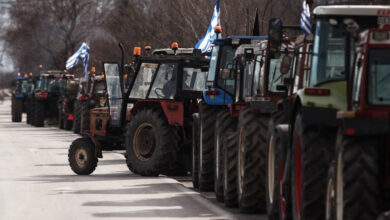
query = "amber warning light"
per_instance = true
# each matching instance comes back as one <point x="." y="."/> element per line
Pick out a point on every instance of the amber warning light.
<point x="218" y="30"/>
<point x="137" y="51"/>
<point x="175" y="46"/>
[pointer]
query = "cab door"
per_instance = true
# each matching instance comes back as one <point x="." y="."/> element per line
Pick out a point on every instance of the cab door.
<point x="114" y="92"/>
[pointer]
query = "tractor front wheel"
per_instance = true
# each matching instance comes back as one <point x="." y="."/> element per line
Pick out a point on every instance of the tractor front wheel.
<point x="82" y="157"/>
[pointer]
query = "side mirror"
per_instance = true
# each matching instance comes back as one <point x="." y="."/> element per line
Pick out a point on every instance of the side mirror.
<point x="249" y="53"/>
<point x="204" y="68"/>
<point x="285" y="65"/>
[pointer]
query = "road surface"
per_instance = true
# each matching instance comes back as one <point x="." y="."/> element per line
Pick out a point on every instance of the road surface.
<point x="36" y="182"/>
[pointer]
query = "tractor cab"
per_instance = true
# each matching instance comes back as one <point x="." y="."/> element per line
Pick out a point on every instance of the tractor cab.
<point x="220" y="83"/>
<point x="23" y="86"/>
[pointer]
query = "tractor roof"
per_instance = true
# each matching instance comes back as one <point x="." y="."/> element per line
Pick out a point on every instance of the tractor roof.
<point x="353" y="10"/>
<point x="177" y="58"/>
<point x="239" y="40"/>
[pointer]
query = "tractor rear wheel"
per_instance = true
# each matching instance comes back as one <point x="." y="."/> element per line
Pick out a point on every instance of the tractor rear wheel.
<point x="39" y="113"/>
<point x="230" y="169"/>
<point x="84" y="127"/>
<point x="151" y="143"/>
<point x="312" y="151"/>
<point x="77" y="117"/>
<point x="252" y="149"/>
<point x="17" y="109"/>
<point x="195" y="151"/>
<point x="277" y="145"/>
<point x="224" y="123"/>
<point x="357" y="179"/>
<point x="82" y="157"/>
<point x="60" y="119"/>
<point x="206" y="147"/>
<point x="68" y="124"/>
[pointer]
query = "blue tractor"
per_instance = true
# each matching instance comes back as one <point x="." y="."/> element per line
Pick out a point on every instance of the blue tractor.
<point x="221" y="89"/>
<point x="19" y="105"/>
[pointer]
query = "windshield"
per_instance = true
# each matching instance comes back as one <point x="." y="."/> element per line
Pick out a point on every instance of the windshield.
<point x="275" y="76"/>
<point x="226" y="69"/>
<point x="114" y="91"/>
<point x="164" y="86"/>
<point x="23" y="85"/>
<point x="328" y="54"/>
<point x="194" y="79"/>
<point x="378" y="72"/>
<point x="213" y="63"/>
<point x="49" y="84"/>
<point x="143" y="80"/>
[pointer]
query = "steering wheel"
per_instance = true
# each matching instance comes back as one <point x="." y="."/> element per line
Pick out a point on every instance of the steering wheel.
<point x="160" y="93"/>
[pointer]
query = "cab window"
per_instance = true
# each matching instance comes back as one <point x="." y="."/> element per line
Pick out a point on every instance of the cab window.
<point x="142" y="82"/>
<point x="164" y="86"/>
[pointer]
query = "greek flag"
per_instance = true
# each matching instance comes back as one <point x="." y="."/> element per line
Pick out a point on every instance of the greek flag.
<point x="305" y="18"/>
<point x="205" y="43"/>
<point x="81" y="53"/>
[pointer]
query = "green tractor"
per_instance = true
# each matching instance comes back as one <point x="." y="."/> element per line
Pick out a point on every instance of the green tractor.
<point x="306" y="142"/>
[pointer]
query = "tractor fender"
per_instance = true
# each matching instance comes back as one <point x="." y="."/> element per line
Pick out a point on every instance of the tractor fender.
<point x="173" y="110"/>
<point x="98" y="146"/>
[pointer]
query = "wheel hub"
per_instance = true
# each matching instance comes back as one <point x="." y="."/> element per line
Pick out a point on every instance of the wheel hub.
<point x="81" y="157"/>
<point x="145" y="141"/>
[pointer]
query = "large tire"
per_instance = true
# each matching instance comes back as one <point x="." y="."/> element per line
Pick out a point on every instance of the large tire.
<point x="278" y="205"/>
<point x="312" y="151"/>
<point x="277" y="145"/>
<point x="358" y="174"/>
<point x="84" y="127"/>
<point x="252" y="148"/>
<point x="17" y="109"/>
<point x="195" y="151"/>
<point x="39" y="113"/>
<point x="30" y="112"/>
<point x="225" y="123"/>
<point x="206" y="147"/>
<point x="82" y="157"/>
<point x="60" y="118"/>
<point x="77" y="117"/>
<point x="230" y="169"/>
<point x="151" y="143"/>
<point x="68" y="124"/>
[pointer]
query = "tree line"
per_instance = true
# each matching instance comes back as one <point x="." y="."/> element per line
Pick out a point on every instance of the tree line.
<point x="47" y="32"/>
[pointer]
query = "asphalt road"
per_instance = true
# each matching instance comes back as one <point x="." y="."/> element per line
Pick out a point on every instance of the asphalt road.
<point x="36" y="182"/>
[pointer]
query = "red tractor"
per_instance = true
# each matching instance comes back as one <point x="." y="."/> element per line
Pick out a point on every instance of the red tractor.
<point x="359" y="178"/>
<point x="152" y="119"/>
<point x="92" y="93"/>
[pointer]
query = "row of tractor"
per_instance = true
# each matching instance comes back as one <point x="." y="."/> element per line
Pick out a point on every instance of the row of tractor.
<point x="57" y="95"/>
<point x="292" y="125"/>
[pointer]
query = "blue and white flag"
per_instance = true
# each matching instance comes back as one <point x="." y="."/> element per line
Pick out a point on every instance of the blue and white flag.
<point x="81" y="53"/>
<point x="205" y="43"/>
<point x="305" y="18"/>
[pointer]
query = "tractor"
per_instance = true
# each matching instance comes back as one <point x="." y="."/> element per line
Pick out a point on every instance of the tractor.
<point x="24" y="86"/>
<point x="216" y="98"/>
<point x="66" y="101"/>
<point x="305" y="144"/>
<point x="359" y="178"/>
<point x="152" y="119"/>
<point x="47" y="93"/>
<point x="91" y="94"/>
